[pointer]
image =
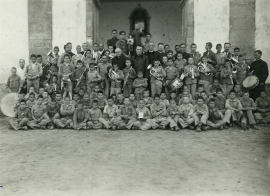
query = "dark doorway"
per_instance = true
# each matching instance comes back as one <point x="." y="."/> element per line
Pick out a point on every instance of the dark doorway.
<point x="141" y="16"/>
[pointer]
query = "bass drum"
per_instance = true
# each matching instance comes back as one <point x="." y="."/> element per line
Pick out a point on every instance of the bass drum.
<point x="250" y="82"/>
<point x="7" y="104"/>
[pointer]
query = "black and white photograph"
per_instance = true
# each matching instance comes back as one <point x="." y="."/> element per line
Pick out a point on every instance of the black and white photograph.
<point x="134" y="98"/>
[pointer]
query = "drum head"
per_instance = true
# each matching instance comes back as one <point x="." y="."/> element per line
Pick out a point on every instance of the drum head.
<point x="250" y="82"/>
<point x="7" y="104"/>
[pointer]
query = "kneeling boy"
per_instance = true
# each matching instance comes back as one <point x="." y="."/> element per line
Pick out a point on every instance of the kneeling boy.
<point x="22" y="117"/>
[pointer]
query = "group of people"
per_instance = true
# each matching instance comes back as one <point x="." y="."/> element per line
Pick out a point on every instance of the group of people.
<point x="129" y="86"/>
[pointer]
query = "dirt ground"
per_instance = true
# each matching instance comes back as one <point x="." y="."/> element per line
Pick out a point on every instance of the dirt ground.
<point x="134" y="163"/>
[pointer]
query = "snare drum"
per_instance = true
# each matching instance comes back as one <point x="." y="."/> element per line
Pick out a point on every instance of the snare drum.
<point x="250" y="82"/>
<point x="176" y="83"/>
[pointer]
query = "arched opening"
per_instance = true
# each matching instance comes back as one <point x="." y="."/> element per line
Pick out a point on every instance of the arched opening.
<point x="141" y="16"/>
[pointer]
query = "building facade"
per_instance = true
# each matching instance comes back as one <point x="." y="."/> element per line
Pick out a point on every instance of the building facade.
<point x="35" y="26"/>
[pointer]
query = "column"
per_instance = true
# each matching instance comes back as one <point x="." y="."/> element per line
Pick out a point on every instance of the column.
<point x="69" y="23"/>
<point x="211" y="22"/>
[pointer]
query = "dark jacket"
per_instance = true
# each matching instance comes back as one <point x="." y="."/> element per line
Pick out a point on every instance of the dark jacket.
<point x="140" y="63"/>
<point x="152" y="56"/>
<point x="121" y="61"/>
<point x="260" y="69"/>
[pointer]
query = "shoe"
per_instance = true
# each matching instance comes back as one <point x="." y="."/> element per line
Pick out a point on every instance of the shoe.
<point x="161" y="127"/>
<point x="198" y="129"/>
<point x="42" y="127"/>
<point x="255" y="127"/>
<point x="177" y="129"/>
<point x="244" y="126"/>
<point x="113" y="127"/>
<point x="134" y="128"/>
<point x="24" y="128"/>
<point x="191" y="127"/>
<point x="221" y="128"/>
<point x="225" y="127"/>
<point x="205" y="128"/>
<point x="51" y="127"/>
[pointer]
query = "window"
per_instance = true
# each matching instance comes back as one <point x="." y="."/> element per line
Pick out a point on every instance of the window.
<point x="141" y="16"/>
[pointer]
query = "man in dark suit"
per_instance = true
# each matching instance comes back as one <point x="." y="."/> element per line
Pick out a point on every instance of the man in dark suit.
<point x="113" y="40"/>
<point x="119" y="59"/>
<point x="160" y="51"/>
<point x="140" y="61"/>
<point x="183" y="51"/>
<point x="151" y="54"/>
<point x="226" y="53"/>
<point x="258" y="68"/>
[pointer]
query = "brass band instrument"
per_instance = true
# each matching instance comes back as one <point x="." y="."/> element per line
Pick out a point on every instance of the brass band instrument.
<point x="204" y="69"/>
<point x="83" y="55"/>
<point x="126" y="78"/>
<point x="113" y="76"/>
<point x="155" y="73"/>
<point x="234" y="62"/>
<point x="7" y="104"/>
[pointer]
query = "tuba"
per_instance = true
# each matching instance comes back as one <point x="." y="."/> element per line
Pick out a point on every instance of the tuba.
<point x="234" y="62"/>
<point x="154" y="73"/>
<point x="51" y="57"/>
<point x="114" y="76"/>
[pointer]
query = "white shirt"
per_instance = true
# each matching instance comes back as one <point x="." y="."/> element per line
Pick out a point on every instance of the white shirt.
<point x="20" y="72"/>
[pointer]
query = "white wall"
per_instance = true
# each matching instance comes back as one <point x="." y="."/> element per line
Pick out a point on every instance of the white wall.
<point x="14" y="35"/>
<point x="69" y="23"/>
<point x="165" y="22"/>
<point x="211" y="22"/>
<point x="262" y="34"/>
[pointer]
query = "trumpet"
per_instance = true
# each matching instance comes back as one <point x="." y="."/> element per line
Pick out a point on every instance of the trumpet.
<point x="155" y="73"/>
<point x="192" y="73"/>
<point x="113" y="75"/>
<point x="204" y="69"/>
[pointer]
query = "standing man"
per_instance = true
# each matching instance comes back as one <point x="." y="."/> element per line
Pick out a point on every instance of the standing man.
<point x="122" y="43"/>
<point x="161" y="51"/>
<point x="84" y="47"/>
<point x="211" y="56"/>
<point x="119" y="59"/>
<point x="226" y="52"/>
<point x="140" y="62"/>
<point x="147" y="42"/>
<point x="258" y="68"/>
<point x="101" y="50"/>
<point x="113" y="40"/>
<point x="70" y="50"/>
<point x="95" y="52"/>
<point x="194" y="53"/>
<point x="151" y="54"/>
<point x="183" y="51"/>
<point x="137" y="34"/>
<point x="61" y="58"/>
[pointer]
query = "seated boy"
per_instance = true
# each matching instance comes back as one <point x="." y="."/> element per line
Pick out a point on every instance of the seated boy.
<point x="127" y="114"/>
<point x="163" y="99"/>
<point x="143" y="114"/>
<point x="173" y="96"/>
<point x="248" y="107"/>
<point x="186" y="94"/>
<point x="199" y="91"/>
<point x="173" y="113"/>
<point x="76" y="99"/>
<point x="213" y="88"/>
<point x="185" y="109"/>
<point x="58" y="99"/>
<point x="200" y="114"/>
<point x="14" y="83"/>
<point x="233" y="104"/>
<point x="17" y="104"/>
<point x="94" y="115"/>
<point x="54" y="87"/>
<point x="22" y="117"/>
<point x="159" y="114"/>
<point x="86" y="101"/>
<point x="31" y="101"/>
<point x="102" y="102"/>
<point x="148" y="101"/>
<point x="133" y="100"/>
<point x="94" y="94"/>
<point x="109" y="114"/>
<point x="205" y="97"/>
<point x="238" y="92"/>
<point x="262" y="114"/>
<point x="46" y="98"/>
<point x="184" y="90"/>
<point x="119" y="101"/>
<point x="53" y="113"/>
<point x="40" y="117"/>
<point x="81" y="93"/>
<point x="31" y="90"/>
<point x="139" y="85"/>
<point x="220" y="102"/>
<point x="66" y="111"/>
<point x="216" y="118"/>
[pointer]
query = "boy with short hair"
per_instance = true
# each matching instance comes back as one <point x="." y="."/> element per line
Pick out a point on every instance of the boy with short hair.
<point x="86" y="101"/>
<point x="81" y="93"/>
<point x="171" y="74"/>
<point x="116" y="84"/>
<point x="58" y="98"/>
<point x="180" y="63"/>
<point x="164" y="62"/>
<point x="54" y="87"/>
<point x="79" y="118"/>
<point x="148" y="101"/>
<point x="66" y="111"/>
<point x="133" y="100"/>
<point x="156" y="85"/>
<point x="248" y="107"/>
<point x="186" y="94"/>
<point x="216" y="118"/>
<point x="233" y="104"/>
<point x="143" y="114"/>
<point x="195" y="54"/>
<point x="159" y="114"/>
<point x="199" y="91"/>
<point x="226" y="76"/>
<point x="22" y="117"/>
<point x="200" y="114"/>
<point x="45" y="70"/>
<point x="242" y="70"/>
<point x="31" y="101"/>
<point x="237" y="90"/>
<point x="163" y="99"/>
<point x="102" y="102"/>
<point x="206" y="78"/>
<point x="94" y="94"/>
<point x="119" y="101"/>
<point x="109" y="114"/>
<point x="102" y="68"/>
<point x="94" y="115"/>
<point x="53" y="113"/>
<point x="32" y="73"/>
<point x="173" y="113"/>
<point x="129" y="77"/>
<point x="262" y="103"/>
<point x="79" y="76"/>
<point x="205" y="97"/>
<point x="184" y="119"/>
<point x="220" y="103"/>
<point x="213" y="87"/>
<point x="92" y="79"/>
<point x="40" y="117"/>
<point x="140" y="85"/>
<point x="14" y="82"/>
<point x="46" y="98"/>
<point x="191" y="73"/>
<point x="31" y="90"/>
<point x="76" y="99"/>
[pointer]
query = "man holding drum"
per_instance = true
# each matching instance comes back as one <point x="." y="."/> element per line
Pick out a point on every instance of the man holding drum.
<point x="258" y="68"/>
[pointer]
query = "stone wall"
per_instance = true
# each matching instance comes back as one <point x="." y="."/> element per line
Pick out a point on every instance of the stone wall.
<point x="242" y="26"/>
<point x="40" y="26"/>
<point x="165" y="21"/>
<point x="187" y="22"/>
